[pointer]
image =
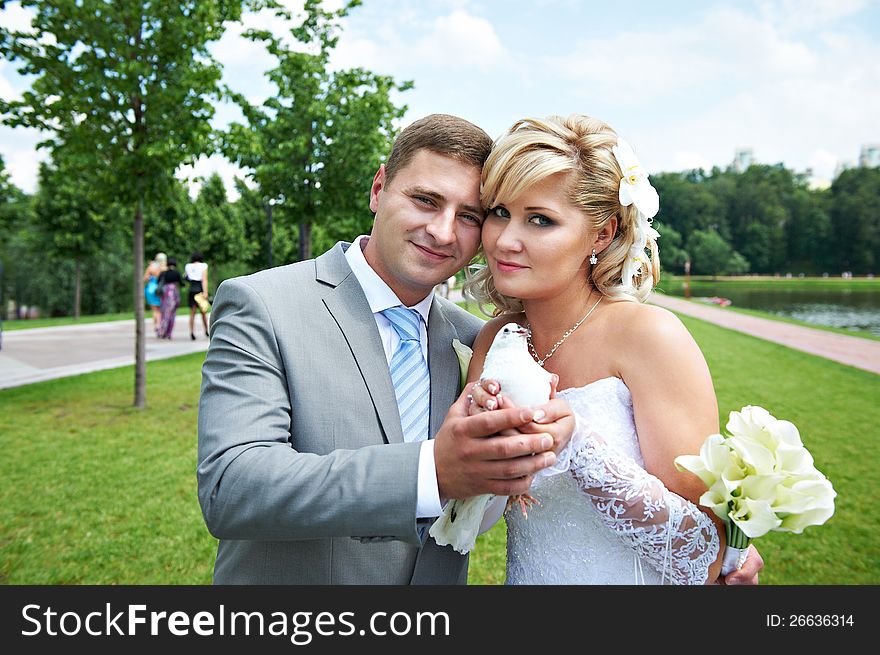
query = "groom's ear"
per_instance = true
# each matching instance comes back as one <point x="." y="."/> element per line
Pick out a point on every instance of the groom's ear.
<point x="378" y="185"/>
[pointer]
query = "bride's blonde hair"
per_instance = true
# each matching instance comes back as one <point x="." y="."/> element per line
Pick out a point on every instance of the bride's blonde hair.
<point x="579" y="145"/>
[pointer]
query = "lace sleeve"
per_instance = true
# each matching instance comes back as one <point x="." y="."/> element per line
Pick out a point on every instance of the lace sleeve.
<point x="664" y="529"/>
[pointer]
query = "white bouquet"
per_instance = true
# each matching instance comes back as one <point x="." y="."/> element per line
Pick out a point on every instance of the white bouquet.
<point x="759" y="478"/>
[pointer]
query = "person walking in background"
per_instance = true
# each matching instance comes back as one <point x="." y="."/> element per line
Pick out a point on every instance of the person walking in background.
<point x="151" y="283"/>
<point x="169" y="292"/>
<point x="196" y="273"/>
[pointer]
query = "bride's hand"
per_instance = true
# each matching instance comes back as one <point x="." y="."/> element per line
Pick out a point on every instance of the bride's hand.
<point x="485" y="395"/>
<point x="748" y="574"/>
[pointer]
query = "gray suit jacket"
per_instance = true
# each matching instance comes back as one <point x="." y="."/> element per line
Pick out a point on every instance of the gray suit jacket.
<point x="303" y="472"/>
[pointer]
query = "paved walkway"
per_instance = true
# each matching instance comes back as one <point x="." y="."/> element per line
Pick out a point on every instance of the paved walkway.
<point x="41" y="354"/>
<point x="47" y="353"/>
<point x="853" y="351"/>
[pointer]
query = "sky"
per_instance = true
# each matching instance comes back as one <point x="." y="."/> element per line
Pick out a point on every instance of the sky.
<point x="686" y="83"/>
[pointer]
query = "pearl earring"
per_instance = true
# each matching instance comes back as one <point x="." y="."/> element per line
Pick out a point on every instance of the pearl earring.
<point x="593" y="259"/>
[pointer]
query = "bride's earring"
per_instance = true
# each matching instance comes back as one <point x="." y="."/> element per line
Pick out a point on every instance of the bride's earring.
<point x="593" y="259"/>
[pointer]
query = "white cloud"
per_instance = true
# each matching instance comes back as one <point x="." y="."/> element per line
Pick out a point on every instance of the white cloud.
<point x="684" y="160"/>
<point x="15" y="17"/>
<point x="461" y="39"/>
<point x="207" y="166"/>
<point x="7" y="92"/>
<point x="21" y="158"/>
<point x="803" y="15"/>
<point x="732" y="79"/>
<point x="455" y="42"/>
<point x="823" y="163"/>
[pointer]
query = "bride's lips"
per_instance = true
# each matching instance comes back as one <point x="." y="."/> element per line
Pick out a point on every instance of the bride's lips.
<point x="509" y="267"/>
<point x="432" y="254"/>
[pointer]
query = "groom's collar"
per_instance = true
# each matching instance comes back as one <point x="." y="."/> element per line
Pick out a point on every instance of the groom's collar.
<point x="379" y="294"/>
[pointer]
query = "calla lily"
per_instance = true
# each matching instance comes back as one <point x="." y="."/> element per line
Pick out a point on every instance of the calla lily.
<point x="754" y="454"/>
<point x="749" y="421"/>
<point x="464" y="354"/>
<point x="795" y="460"/>
<point x="784" y="433"/>
<point x="718" y="499"/>
<point x="754" y="517"/>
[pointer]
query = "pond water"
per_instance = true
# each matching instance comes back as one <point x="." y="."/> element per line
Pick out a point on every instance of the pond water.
<point x="850" y="309"/>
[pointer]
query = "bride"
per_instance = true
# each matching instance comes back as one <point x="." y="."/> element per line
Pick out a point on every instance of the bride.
<point x="572" y="257"/>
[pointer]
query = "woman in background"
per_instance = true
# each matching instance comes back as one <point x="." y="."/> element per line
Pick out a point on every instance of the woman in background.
<point x="151" y="283"/>
<point x="196" y="273"/>
<point x="170" y="282"/>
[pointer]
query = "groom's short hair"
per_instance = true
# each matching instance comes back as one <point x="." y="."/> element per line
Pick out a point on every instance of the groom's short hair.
<point x="443" y="134"/>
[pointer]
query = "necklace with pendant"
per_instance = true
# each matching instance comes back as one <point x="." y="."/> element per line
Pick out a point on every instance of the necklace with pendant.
<point x="561" y="341"/>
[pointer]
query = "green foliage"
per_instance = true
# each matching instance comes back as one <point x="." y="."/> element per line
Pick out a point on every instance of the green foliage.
<point x="773" y="219"/>
<point x="855" y="218"/>
<point x="672" y="244"/>
<point x="712" y="255"/>
<point x="314" y="146"/>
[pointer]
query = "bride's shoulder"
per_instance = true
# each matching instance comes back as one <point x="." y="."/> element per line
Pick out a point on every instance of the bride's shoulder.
<point x="639" y="326"/>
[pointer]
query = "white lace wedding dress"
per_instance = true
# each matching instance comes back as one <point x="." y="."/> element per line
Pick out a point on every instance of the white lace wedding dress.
<point x="602" y="518"/>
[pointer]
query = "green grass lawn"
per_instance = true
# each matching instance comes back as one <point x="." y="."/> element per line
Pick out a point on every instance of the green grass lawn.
<point x="95" y="492"/>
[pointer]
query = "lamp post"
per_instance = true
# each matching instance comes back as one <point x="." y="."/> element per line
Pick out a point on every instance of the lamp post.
<point x="687" y="279"/>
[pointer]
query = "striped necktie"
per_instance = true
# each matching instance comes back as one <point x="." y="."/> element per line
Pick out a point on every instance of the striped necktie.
<point x="409" y="374"/>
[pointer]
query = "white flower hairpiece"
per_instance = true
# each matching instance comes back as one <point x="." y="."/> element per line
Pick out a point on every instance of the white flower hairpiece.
<point x="635" y="189"/>
<point x="634" y="185"/>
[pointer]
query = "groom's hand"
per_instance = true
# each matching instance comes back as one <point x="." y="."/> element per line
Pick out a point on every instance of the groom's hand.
<point x="469" y="464"/>
<point x="558" y="421"/>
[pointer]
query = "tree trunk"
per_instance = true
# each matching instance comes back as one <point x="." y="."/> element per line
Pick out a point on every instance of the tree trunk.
<point x="77" y="291"/>
<point x="140" y="367"/>
<point x="305" y="240"/>
<point x="2" y="294"/>
<point x="269" y="232"/>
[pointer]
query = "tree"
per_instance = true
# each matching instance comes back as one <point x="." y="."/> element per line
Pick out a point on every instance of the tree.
<point x="855" y="219"/>
<point x="687" y="203"/>
<point x="70" y="219"/>
<point x="313" y="144"/>
<point x="712" y="255"/>
<point x="670" y="246"/>
<point x="129" y="85"/>
<point x="269" y="243"/>
<point x="14" y="212"/>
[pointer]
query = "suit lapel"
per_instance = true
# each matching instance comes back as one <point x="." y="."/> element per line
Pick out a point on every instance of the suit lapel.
<point x="349" y="308"/>
<point x="443" y="365"/>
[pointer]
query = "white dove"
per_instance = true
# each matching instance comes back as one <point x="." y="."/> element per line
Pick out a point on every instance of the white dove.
<point x="527" y="384"/>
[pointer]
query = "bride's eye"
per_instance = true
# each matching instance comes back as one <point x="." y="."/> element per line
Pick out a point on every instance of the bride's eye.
<point x="500" y="211"/>
<point x="541" y="220"/>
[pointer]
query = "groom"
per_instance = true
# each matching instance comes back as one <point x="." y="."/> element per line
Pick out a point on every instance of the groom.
<point x="325" y="379"/>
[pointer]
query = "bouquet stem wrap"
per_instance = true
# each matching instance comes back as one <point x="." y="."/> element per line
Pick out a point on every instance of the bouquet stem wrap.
<point x="737" y="548"/>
